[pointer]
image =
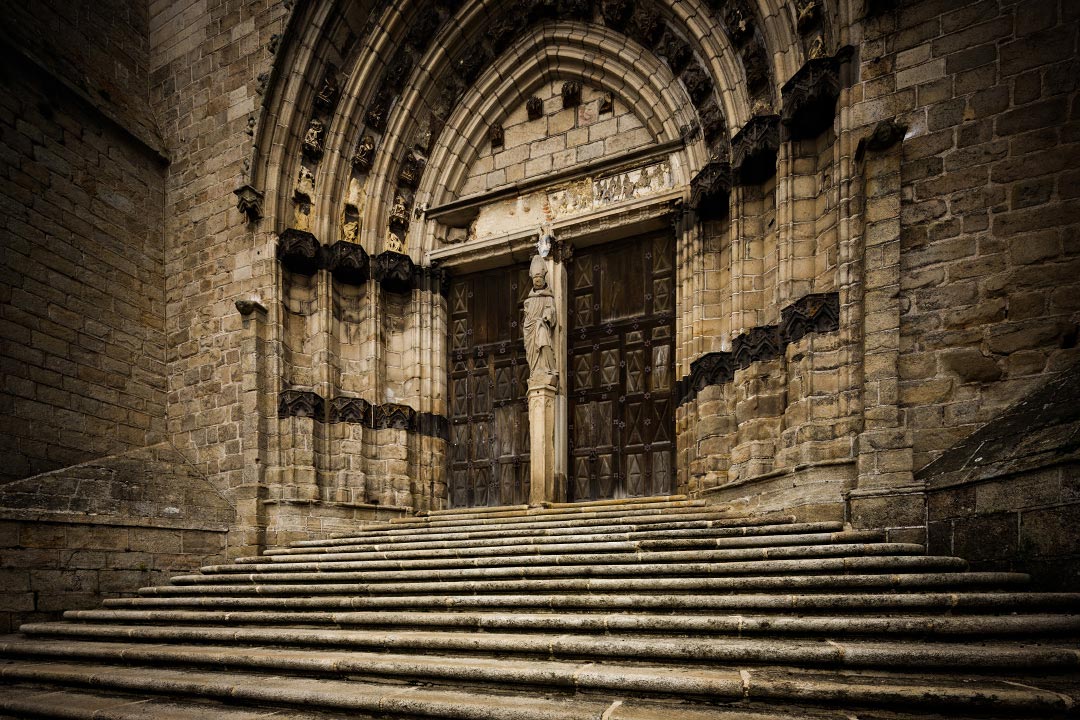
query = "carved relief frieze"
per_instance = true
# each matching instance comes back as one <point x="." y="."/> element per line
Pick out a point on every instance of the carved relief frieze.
<point x="394" y="416"/>
<point x="710" y="190"/>
<point x="590" y="194"/>
<point x="394" y="271"/>
<point x="754" y="148"/>
<point x="299" y="251"/>
<point x="755" y="345"/>
<point x="535" y="108"/>
<point x="809" y="98"/>
<point x="571" y="94"/>
<point x="301" y="403"/>
<point x="347" y="262"/>
<point x="351" y="410"/>
<point x="818" y="312"/>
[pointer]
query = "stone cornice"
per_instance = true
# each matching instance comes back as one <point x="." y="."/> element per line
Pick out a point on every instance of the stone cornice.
<point x="355" y="410"/>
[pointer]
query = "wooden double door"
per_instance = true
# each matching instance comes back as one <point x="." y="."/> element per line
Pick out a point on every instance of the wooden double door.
<point x="620" y="384"/>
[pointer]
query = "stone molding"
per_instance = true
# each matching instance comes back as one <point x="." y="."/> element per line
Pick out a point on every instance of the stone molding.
<point x="710" y="190"/>
<point x="395" y="272"/>
<point x="809" y="98"/>
<point x="358" y="411"/>
<point x="300" y="252"/>
<point x="817" y="312"/>
<point x="348" y="263"/>
<point x="754" y="148"/>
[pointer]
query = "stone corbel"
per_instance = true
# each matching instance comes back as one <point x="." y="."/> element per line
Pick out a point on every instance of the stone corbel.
<point x="754" y="148"/>
<point x="249" y="201"/>
<point x="809" y="98"/>
<point x="301" y="403"/>
<point x="395" y="272"/>
<point x="299" y="251"/>
<point x="348" y="263"/>
<point x="710" y="190"/>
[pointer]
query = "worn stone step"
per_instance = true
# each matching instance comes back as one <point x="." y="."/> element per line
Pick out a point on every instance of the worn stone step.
<point x="629" y="554"/>
<point x="37" y="701"/>
<point x="543" y="516"/>
<point x="843" y="559"/>
<point x="561" y="621"/>
<point x="778" y="583"/>
<point x="823" y="652"/>
<point x="360" y="699"/>
<point x="654" y="518"/>
<point x="863" y="602"/>
<point x="547" y="510"/>
<point x="591" y="545"/>
<point x="694" y="529"/>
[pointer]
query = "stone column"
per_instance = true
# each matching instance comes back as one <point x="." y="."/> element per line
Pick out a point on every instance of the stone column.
<point x="541" y="443"/>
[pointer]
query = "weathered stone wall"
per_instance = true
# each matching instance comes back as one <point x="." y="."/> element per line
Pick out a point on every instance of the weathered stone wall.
<point x="81" y="296"/>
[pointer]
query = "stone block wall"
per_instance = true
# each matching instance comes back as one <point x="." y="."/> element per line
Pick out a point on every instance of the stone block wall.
<point x="82" y="308"/>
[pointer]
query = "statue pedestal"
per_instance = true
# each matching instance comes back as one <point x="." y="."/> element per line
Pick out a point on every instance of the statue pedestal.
<point x="541" y="442"/>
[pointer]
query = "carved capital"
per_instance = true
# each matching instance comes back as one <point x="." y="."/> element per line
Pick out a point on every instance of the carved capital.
<point x="809" y="98"/>
<point x="710" y="190"/>
<point x="350" y="410"/>
<point x="755" y="345"/>
<point x="299" y="251"/>
<point x="754" y="148"/>
<point x="347" y="262"/>
<point x="249" y="201"/>
<point x="301" y="403"/>
<point x="818" y="312"/>
<point x="395" y="271"/>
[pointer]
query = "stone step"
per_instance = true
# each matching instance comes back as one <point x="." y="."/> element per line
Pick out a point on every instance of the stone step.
<point x="884" y="579"/>
<point x="549" y="510"/>
<point x="699" y="528"/>
<point x="591" y="545"/>
<point x="355" y="699"/>
<point x="841" y="652"/>
<point x="865" y="602"/>
<point x="840" y="559"/>
<point x="775" y="624"/>
<point x="544" y="515"/>
<point x="650" y="517"/>
<point x="36" y="701"/>
<point x="610" y="555"/>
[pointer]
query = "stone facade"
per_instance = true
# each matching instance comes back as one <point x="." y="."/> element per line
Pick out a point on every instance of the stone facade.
<point x="238" y="238"/>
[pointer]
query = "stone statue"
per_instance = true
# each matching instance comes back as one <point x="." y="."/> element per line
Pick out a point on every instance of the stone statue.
<point x="305" y="184"/>
<point x="350" y="229"/>
<point x="539" y="326"/>
<point x="393" y="243"/>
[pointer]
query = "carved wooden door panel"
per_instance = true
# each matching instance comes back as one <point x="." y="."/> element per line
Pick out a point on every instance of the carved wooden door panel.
<point x="621" y="367"/>
<point x="489" y="415"/>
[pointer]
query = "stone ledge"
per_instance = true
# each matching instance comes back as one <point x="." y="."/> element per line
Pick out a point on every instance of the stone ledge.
<point x="76" y="518"/>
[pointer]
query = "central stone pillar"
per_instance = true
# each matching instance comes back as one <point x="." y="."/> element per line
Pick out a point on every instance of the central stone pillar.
<point x="541" y="443"/>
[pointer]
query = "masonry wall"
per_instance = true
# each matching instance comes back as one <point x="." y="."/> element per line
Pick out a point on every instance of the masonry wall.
<point x="82" y="310"/>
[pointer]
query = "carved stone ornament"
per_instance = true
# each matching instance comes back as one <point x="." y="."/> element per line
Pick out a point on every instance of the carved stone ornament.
<point x="299" y="252"/>
<point x="806" y="12"/>
<point x="675" y="51"/>
<point x="535" y="108"/>
<point x="351" y="410"/>
<point x="398" y="71"/>
<point x="364" y="155"/>
<point x="571" y="94"/>
<point x="818" y="312"/>
<point x="755" y="345"/>
<point x="645" y="25"/>
<point x="713" y="123"/>
<point x="301" y="403"/>
<point x="305" y="184"/>
<point x="249" y="201"/>
<point x="434" y="279"/>
<point x="698" y="83"/>
<point x="754" y="148"/>
<point x="347" y="262"/>
<point x="576" y="9"/>
<point x="395" y="272"/>
<point x="616" y="13"/>
<point x="327" y="96"/>
<point x="886" y="134"/>
<point x="607" y="103"/>
<point x="756" y="64"/>
<point x="496" y="135"/>
<point x="247" y="306"/>
<point x="399" y="213"/>
<point x="394" y="416"/>
<point x="715" y="368"/>
<point x="710" y="190"/>
<point x="313" y="139"/>
<point x="471" y="64"/>
<point x="379" y="109"/>
<point x="411" y="169"/>
<point x="809" y="98"/>
<point x="739" y="20"/>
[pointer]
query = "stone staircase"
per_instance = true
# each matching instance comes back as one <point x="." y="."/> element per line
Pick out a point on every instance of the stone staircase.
<point x="645" y="609"/>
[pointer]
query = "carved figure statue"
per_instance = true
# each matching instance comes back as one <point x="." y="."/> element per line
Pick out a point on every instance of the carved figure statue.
<point x="305" y="184"/>
<point x="365" y="153"/>
<point x="393" y="243"/>
<point x="313" y="138"/>
<point x="350" y="229"/>
<point x="539" y="325"/>
<point x="355" y="196"/>
<point x="399" y="212"/>
<point x="301" y="217"/>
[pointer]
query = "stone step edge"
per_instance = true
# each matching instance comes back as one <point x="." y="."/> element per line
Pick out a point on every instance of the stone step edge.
<point x="456" y="705"/>
<point x="839" y="652"/>
<point x="609" y="585"/>
<point x="507" y="549"/>
<point x="929" y="602"/>
<point x="557" y="531"/>
<point x="738" y="624"/>
<point x="548" y="519"/>
<point x="550" y="507"/>
<point x="622" y="556"/>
